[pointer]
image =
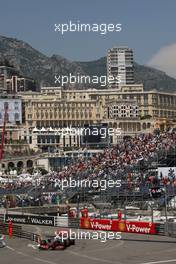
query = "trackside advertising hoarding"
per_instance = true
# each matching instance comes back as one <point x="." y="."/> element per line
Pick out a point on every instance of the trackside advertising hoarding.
<point x="119" y="226"/>
<point x="31" y="220"/>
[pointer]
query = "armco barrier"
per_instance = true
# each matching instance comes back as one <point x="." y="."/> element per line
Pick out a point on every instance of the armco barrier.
<point x="61" y="221"/>
<point x="2" y="218"/>
<point x="4" y="229"/>
<point x="19" y="232"/>
<point x="27" y="235"/>
<point x="94" y="224"/>
<point x="171" y="227"/>
<point x="73" y="222"/>
<point x="160" y="229"/>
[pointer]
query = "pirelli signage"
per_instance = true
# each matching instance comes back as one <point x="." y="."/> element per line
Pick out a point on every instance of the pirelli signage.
<point x="31" y="220"/>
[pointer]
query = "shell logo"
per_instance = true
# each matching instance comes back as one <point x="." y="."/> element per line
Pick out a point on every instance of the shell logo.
<point x="121" y="226"/>
<point x="86" y="223"/>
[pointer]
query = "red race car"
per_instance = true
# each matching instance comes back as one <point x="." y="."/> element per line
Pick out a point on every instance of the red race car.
<point x="64" y="235"/>
<point x="56" y="244"/>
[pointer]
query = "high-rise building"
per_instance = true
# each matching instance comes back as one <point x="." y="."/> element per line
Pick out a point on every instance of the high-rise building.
<point x="120" y="66"/>
<point x="11" y="82"/>
<point x="5" y="73"/>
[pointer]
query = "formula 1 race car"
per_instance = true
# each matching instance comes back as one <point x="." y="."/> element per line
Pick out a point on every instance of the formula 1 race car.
<point x="57" y="244"/>
<point x="65" y="237"/>
<point x="2" y="241"/>
<point x="61" y="241"/>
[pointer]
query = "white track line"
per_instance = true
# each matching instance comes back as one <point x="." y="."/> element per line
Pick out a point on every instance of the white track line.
<point x="94" y="258"/>
<point x="103" y="249"/>
<point x="45" y="261"/>
<point x="26" y="255"/>
<point x="91" y="258"/>
<point x="160" y="261"/>
<point x="21" y="253"/>
<point x="10" y="248"/>
<point x="32" y="246"/>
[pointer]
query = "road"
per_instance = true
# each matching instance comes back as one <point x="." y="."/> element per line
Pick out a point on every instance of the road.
<point x="131" y="249"/>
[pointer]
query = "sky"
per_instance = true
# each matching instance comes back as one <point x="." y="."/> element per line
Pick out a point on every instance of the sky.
<point x="148" y="27"/>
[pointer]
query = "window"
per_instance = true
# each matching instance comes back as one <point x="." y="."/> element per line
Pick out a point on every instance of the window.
<point x="6" y="105"/>
<point x="145" y="99"/>
<point x="17" y="117"/>
<point x="7" y="117"/>
<point x="16" y="105"/>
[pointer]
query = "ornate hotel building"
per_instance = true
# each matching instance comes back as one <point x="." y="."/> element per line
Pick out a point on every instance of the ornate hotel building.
<point x="130" y="108"/>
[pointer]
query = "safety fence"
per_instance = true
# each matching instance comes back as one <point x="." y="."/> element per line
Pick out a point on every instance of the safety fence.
<point x="138" y="227"/>
<point x="73" y="222"/>
<point x="4" y="229"/>
<point x="126" y="226"/>
<point x="37" y="220"/>
<point x="18" y="232"/>
<point x="2" y="217"/>
<point x="61" y="221"/>
<point x="171" y="229"/>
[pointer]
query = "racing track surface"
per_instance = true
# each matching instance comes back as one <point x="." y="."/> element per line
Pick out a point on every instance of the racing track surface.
<point x="131" y="249"/>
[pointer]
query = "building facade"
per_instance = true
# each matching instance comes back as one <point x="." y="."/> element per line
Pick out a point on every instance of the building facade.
<point x="34" y="118"/>
<point x="129" y="107"/>
<point x="54" y="110"/>
<point x="117" y="109"/>
<point x="13" y="105"/>
<point x="11" y="82"/>
<point x="120" y="66"/>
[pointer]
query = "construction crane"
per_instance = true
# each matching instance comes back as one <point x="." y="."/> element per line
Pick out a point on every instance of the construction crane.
<point x="3" y="133"/>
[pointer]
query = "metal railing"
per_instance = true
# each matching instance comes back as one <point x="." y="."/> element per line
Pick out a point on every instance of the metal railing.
<point x="171" y="229"/>
<point x="19" y="232"/>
